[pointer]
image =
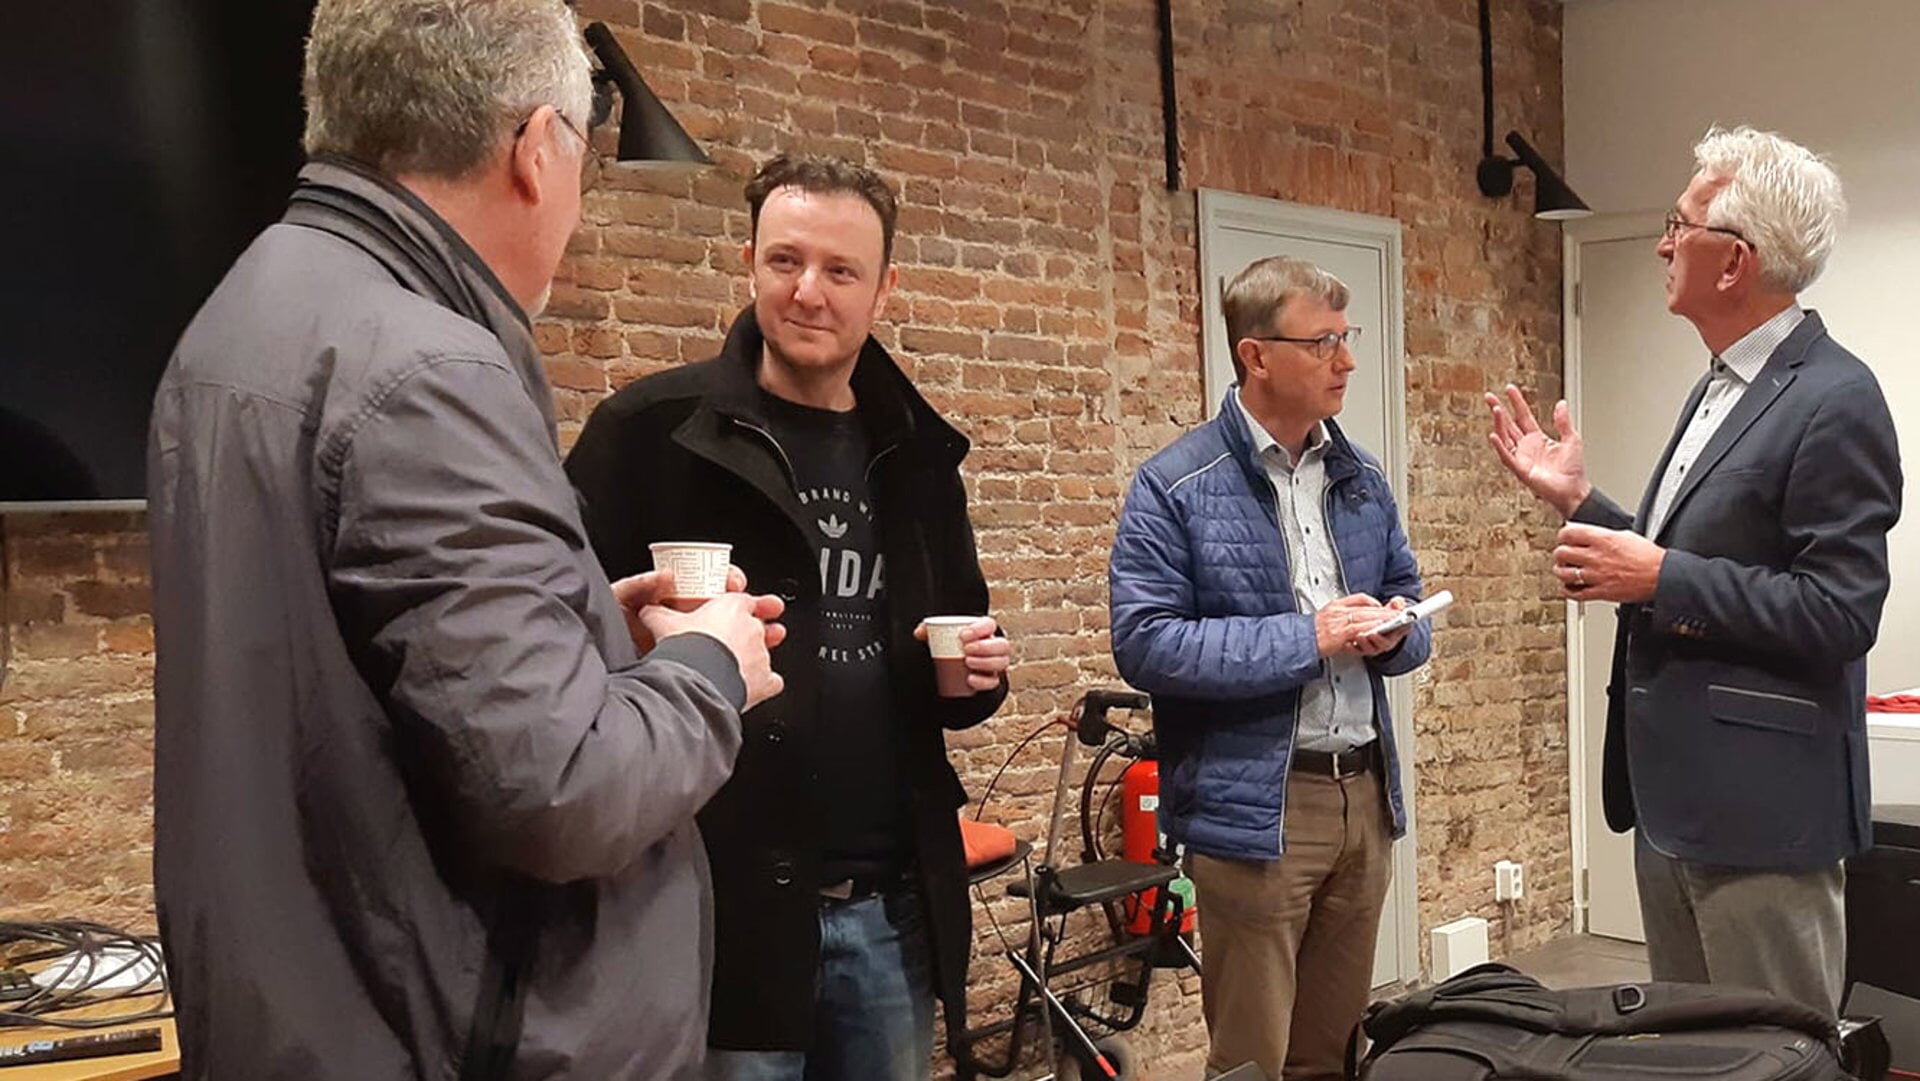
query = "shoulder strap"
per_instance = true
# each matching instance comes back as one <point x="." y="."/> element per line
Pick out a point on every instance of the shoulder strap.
<point x="1491" y="991"/>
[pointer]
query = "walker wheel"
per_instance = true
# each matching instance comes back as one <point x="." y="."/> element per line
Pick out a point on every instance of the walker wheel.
<point x="1119" y="1055"/>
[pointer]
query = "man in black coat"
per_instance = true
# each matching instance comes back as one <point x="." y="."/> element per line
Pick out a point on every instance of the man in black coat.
<point x="839" y="884"/>
<point x="1750" y="587"/>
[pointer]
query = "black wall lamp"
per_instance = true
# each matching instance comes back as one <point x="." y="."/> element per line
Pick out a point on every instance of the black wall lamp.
<point x="1553" y="200"/>
<point x="1169" y="106"/>
<point x="648" y="132"/>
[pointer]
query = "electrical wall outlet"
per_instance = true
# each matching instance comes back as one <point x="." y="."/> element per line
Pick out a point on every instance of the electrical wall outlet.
<point x="1509" y="881"/>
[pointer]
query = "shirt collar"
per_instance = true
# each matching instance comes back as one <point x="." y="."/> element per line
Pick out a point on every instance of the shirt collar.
<point x="1747" y="356"/>
<point x="1264" y="443"/>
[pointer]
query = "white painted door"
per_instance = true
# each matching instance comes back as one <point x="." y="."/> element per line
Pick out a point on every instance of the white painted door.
<point x="1363" y="252"/>
<point x="1630" y="364"/>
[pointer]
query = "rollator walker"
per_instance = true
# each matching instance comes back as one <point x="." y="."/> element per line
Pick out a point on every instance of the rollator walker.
<point x="1077" y="1005"/>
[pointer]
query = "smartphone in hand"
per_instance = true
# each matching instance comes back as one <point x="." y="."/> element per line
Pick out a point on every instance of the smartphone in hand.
<point x="1414" y="613"/>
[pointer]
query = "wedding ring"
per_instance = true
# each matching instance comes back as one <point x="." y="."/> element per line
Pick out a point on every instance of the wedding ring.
<point x="1579" y="577"/>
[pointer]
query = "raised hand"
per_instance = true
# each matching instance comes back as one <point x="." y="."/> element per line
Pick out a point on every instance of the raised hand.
<point x="1554" y="470"/>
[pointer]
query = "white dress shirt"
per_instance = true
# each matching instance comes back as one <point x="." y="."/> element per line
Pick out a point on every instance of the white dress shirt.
<point x="1732" y="372"/>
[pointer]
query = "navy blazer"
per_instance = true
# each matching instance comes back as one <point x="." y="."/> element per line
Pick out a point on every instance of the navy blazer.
<point x="1736" y="723"/>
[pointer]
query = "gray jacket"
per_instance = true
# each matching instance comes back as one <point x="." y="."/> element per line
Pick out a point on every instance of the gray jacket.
<point x="398" y="712"/>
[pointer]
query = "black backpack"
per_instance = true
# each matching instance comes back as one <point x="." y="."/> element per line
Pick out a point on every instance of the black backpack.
<point x="1494" y="1022"/>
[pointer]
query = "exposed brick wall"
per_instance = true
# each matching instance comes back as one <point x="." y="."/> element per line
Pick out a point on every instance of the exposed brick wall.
<point x="1048" y="305"/>
<point x="76" y="720"/>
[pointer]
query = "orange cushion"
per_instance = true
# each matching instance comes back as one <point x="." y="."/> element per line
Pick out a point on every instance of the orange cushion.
<point x="985" y="842"/>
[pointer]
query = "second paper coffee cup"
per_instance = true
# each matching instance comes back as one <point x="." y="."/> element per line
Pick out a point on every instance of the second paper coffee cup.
<point x="699" y="570"/>
<point x="949" y="657"/>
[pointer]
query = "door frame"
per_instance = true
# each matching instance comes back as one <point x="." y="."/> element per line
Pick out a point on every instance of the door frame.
<point x="1221" y="210"/>
<point x="1598" y="229"/>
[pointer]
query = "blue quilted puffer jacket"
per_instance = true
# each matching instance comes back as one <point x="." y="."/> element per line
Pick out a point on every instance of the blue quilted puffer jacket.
<point x="1204" y="620"/>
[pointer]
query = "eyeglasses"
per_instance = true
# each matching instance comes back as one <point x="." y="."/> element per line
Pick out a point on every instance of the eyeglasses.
<point x="1675" y="223"/>
<point x="589" y="159"/>
<point x="1322" y="347"/>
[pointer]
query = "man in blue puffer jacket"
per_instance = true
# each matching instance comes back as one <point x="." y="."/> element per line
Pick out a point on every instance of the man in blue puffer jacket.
<point x="1253" y="562"/>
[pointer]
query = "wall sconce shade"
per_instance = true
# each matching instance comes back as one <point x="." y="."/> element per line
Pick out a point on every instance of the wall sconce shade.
<point x="1553" y="200"/>
<point x="648" y="132"/>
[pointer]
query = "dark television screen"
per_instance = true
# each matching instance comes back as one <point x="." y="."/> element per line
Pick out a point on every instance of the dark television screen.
<point x="145" y="142"/>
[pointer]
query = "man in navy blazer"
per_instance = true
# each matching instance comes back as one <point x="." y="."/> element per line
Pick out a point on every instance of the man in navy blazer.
<point x="1750" y="586"/>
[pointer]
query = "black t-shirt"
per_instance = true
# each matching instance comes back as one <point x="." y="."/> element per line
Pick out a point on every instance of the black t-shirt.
<point x="861" y="784"/>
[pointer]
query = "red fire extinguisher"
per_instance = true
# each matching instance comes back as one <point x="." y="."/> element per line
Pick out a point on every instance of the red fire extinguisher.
<point x="1140" y="831"/>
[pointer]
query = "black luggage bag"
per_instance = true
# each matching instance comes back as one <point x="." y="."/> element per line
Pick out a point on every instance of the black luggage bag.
<point x="1883" y="932"/>
<point x="1494" y="1022"/>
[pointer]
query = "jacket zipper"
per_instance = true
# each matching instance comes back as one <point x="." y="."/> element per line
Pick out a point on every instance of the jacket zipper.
<point x="1339" y="563"/>
<point x="1340" y="569"/>
<point x="875" y="460"/>
<point x="1286" y="769"/>
<point x="792" y="477"/>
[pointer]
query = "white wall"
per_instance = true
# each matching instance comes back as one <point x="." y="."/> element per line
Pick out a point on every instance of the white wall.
<point x="1645" y="78"/>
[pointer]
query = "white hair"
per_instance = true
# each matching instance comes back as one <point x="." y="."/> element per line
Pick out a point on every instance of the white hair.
<point x="1783" y="198"/>
<point x="432" y="87"/>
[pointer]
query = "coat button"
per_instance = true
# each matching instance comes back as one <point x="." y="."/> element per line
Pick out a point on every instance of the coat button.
<point x="776" y="731"/>
<point x="783" y="873"/>
<point x="788" y="589"/>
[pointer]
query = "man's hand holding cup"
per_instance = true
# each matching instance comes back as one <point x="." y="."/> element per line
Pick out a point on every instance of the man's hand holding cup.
<point x="658" y="605"/>
<point x="969" y="656"/>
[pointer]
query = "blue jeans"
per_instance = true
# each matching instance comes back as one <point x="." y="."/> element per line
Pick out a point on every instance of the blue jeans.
<point x="873" y="1015"/>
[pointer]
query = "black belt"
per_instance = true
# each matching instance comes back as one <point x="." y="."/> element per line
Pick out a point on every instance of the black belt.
<point x="863" y="886"/>
<point x="1338" y="765"/>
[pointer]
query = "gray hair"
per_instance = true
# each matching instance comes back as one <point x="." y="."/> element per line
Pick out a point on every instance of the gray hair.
<point x="1783" y="198"/>
<point x="1253" y="300"/>
<point x="433" y="87"/>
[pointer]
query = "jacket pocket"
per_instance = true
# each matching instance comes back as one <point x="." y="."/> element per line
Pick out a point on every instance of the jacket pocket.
<point x="1762" y="709"/>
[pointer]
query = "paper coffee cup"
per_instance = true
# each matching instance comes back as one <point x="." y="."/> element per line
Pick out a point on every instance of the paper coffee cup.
<point x="699" y="568"/>
<point x="949" y="657"/>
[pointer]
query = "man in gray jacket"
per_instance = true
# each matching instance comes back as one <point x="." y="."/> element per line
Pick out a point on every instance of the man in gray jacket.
<point x="421" y="810"/>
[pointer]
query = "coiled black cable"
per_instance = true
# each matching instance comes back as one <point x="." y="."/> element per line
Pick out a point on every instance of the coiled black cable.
<point x="88" y="980"/>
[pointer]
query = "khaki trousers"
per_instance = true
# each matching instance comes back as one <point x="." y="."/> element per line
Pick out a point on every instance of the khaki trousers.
<point x="1303" y="923"/>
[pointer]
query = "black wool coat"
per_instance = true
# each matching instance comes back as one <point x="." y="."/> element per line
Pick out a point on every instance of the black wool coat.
<point x="688" y="455"/>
